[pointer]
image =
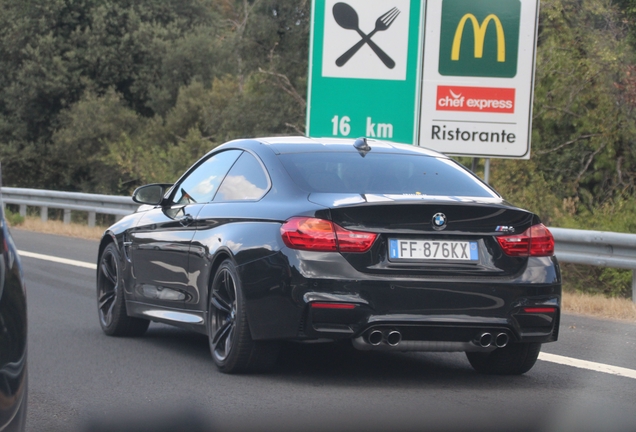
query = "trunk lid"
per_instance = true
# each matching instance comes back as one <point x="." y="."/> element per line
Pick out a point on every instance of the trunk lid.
<point x="461" y="242"/>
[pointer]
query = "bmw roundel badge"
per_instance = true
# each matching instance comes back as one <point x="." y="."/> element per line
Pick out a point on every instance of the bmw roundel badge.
<point x="439" y="221"/>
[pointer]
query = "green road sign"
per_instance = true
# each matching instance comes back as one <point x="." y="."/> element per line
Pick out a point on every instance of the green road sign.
<point x="479" y="38"/>
<point x="364" y="73"/>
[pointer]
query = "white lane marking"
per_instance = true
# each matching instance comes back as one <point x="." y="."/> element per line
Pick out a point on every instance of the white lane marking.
<point x="593" y="366"/>
<point x="58" y="260"/>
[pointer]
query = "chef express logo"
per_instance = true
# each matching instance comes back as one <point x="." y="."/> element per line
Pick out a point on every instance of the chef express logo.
<point x="479" y="99"/>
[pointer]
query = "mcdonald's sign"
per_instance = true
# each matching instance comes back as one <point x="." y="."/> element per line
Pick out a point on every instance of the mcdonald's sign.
<point x="479" y="38"/>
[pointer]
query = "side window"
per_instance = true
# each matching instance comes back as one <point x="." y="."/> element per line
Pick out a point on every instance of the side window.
<point x="202" y="183"/>
<point x="246" y="181"/>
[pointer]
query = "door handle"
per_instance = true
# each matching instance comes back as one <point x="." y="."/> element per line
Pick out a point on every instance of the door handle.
<point x="186" y="220"/>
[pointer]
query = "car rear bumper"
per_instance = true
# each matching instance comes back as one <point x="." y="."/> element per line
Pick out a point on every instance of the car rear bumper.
<point x="429" y="313"/>
<point x="430" y="333"/>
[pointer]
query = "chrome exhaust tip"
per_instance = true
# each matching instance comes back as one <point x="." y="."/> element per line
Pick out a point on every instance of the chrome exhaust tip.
<point x="375" y="337"/>
<point x="485" y="340"/>
<point x="393" y="338"/>
<point x="501" y="340"/>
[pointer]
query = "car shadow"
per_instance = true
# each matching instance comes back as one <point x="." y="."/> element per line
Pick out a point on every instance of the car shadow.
<point x="339" y="364"/>
<point x="174" y="339"/>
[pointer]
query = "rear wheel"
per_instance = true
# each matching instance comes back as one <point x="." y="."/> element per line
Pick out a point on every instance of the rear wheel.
<point x="111" y="305"/>
<point x="514" y="359"/>
<point x="231" y="344"/>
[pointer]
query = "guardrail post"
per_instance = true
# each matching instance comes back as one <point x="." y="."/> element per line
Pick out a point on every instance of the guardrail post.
<point x="91" y="219"/>
<point x="44" y="214"/>
<point x="634" y="285"/>
<point x="23" y="210"/>
<point x="67" y="216"/>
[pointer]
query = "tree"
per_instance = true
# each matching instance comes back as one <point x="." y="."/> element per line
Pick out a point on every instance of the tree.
<point x="583" y="122"/>
<point x="57" y="50"/>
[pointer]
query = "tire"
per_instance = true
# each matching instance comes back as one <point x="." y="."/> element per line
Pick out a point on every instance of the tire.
<point x="514" y="359"/>
<point x="111" y="305"/>
<point x="18" y="423"/>
<point x="231" y="344"/>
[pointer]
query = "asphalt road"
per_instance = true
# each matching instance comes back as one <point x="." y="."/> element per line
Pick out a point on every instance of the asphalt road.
<point x="82" y="380"/>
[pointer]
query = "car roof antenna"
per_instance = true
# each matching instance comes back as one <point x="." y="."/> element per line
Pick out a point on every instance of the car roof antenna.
<point x="362" y="146"/>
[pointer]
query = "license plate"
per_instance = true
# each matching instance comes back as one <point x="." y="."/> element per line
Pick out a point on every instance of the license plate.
<point x="433" y="250"/>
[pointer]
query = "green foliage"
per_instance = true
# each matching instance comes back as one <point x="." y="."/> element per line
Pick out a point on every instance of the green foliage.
<point x="14" y="219"/>
<point x="523" y="184"/>
<point x="584" y="122"/>
<point x="618" y="280"/>
<point x="83" y="79"/>
<point x="609" y="282"/>
<point x="80" y="145"/>
<point x="618" y="215"/>
<point x="55" y="52"/>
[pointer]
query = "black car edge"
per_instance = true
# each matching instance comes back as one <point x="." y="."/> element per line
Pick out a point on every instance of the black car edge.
<point x="394" y="247"/>
<point x="13" y="333"/>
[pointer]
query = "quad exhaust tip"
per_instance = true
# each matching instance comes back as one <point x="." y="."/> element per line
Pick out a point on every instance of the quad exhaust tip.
<point x="390" y="337"/>
<point x="487" y="339"/>
<point x="375" y="337"/>
<point x="393" y="338"/>
<point x="501" y="340"/>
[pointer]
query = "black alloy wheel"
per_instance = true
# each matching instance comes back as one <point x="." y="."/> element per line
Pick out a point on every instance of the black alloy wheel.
<point x="231" y="344"/>
<point x="223" y="314"/>
<point x="513" y="359"/>
<point x="111" y="305"/>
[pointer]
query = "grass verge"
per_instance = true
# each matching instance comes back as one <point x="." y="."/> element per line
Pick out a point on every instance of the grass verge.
<point x="60" y="228"/>
<point x="575" y="303"/>
<point x="599" y="306"/>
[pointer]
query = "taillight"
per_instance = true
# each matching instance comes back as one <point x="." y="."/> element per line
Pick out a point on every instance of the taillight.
<point x="535" y="241"/>
<point x="309" y="234"/>
<point x="353" y="241"/>
<point x="324" y="236"/>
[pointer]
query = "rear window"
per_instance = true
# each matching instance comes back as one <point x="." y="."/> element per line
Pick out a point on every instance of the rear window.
<point x="382" y="173"/>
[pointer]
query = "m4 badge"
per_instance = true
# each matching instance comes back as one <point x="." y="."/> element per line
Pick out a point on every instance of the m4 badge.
<point x="505" y="228"/>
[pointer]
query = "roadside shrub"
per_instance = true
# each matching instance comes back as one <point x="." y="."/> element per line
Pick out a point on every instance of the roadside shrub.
<point x="14" y="219"/>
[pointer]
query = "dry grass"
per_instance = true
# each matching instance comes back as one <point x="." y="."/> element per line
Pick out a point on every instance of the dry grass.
<point x="575" y="303"/>
<point x="599" y="306"/>
<point x="60" y="228"/>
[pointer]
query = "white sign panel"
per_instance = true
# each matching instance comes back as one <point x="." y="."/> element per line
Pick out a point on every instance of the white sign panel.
<point x="478" y="77"/>
<point x="366" y="39"/>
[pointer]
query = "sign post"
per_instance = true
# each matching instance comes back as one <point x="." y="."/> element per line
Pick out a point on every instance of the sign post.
<point x="365" y="69"/>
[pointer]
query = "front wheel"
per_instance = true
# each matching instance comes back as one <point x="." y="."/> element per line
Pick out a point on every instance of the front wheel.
<point x="231" y="344"/>
<point x="111" y="305"/>
<point x="513" y="359"/>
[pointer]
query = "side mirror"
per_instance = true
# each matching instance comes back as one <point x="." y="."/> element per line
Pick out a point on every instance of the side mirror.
<point x="151" y="194"/>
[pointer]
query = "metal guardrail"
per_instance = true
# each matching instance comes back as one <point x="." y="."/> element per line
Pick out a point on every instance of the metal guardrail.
<point x="596" y="248"/>
<point x="68" y="201"/>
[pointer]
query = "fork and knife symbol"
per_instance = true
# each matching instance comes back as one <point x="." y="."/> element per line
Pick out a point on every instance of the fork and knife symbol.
<point x="347" y="18"/>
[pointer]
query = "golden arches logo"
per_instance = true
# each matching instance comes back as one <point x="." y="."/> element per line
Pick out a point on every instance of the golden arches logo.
<point x="479" y="32"/>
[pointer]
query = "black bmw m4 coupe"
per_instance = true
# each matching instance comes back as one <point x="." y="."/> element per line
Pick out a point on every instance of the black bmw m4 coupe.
<point x="394" y="247"/>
